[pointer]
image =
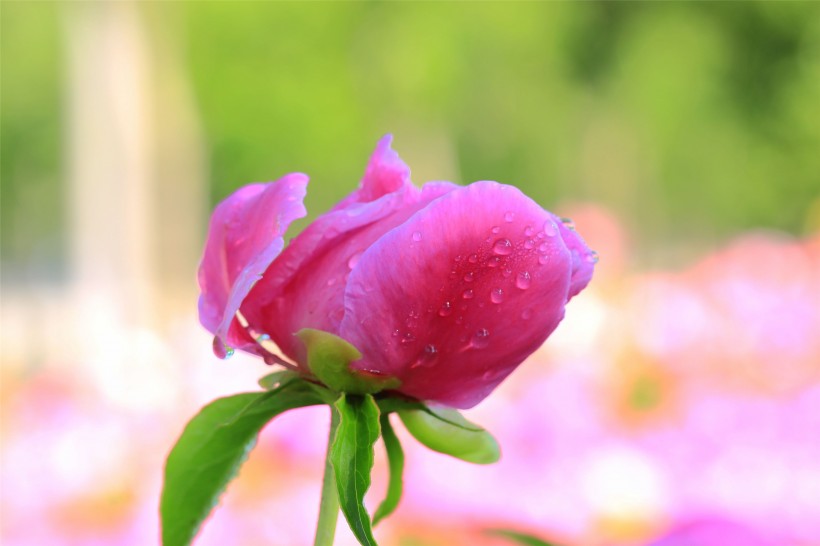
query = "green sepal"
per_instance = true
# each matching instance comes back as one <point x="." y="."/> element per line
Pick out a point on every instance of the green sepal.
<point x="351" y="455"/>
<point x="395" y="462"/>
<point x="519" y="538"/>
<point x="210" y="450"/>
<point x="445" y="430"/>
<point x="277" y="379"/>
<point x="329" y="358"/>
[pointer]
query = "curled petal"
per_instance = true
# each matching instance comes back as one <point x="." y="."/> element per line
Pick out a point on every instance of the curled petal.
<point x="452" y="300"/>
<point x="244" y="236"/>
<point x="583" y="259"/>
<point x="304" y="288"/>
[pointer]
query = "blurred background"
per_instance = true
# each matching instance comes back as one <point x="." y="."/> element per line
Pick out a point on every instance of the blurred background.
<point x="680" y="397"/>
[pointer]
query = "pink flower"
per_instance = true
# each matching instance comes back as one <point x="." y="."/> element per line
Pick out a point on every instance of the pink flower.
<point x="447" y="288"/>
<point x="709" y="532"/>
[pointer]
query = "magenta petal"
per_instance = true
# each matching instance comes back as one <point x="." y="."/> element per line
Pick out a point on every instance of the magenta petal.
<point x="455" y="298"/>
<point x="305" y="287"/>
<point x="244" y="236"/>
<point x="583" y="259"/>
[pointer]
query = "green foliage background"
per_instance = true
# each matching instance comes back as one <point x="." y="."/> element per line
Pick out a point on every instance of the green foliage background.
<point x="691" y="120"/>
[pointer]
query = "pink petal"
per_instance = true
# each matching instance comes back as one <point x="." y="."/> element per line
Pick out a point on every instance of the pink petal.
<point x="244" y="237"/>
<point x="454" y="299"/>
<point x="583" y="259"/>
<point x="304" y="288"/>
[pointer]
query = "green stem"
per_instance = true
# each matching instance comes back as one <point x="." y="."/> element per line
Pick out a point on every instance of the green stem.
<point x="329" y="506"/>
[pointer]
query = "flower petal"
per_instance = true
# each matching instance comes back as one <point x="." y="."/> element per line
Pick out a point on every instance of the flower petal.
<point x="304" y="288"/>
<point x="583" y="259"/>
<point x="451" y="301"/>
<point x="244" y="237"/>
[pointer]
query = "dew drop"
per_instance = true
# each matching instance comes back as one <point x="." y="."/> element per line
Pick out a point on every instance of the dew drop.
<point x="458" y="258"/>
<point x="509" y="216"/>
<point x="473" y="258"/>
<point x="528" y="244"/>
<point x="351" y="263"/>
<point x="497" y="295"/>
<point x="417" y="236"/>
<point x="528" y="231"/>
<point x="544" y="259"/>
<point x="526" y="314"/>
<point x="592" y="257"/>
<point x="523" y="280"/>
<point x="222" y="350"/>
<point x="494" y="261"/>
<point x="568" y="223"/>
<point x="446" y="309"/>
<point x="507" y="272"/>
<point x="331" y="281"/>
<point x="480" y="339"/>
<point x="495" y="230"/>
<point x="396" y="333"/>
<point x="407" y="338"/>
<point x="550" y="229"/>
<point x="468" y="294"/>
<point x="543" y="247"/>
<point x="503" y="247"/>
<point x="469" y="276"/>
<point x="426" y="357"/>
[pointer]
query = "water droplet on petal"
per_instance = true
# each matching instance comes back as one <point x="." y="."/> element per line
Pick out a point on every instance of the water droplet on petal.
<point x="528" y="231"/>
<point x="544" y="259"/>
<point x="221" y="350"/>
<point x="497" y="295"/>
<point x="496" y="230"/>
<point x="507" y="272"/>
<point x="427" y="356"/>
<point x="523" y="280"/>
<point x="528" y="244"/>
<point x="446" y="309"/>
<point x="494" y="261"/>
<point x="592" y="257"/>
<point x="568" y="223"/>
<point x="526" y="314"/>
<point x="351" y="263"/>
<point x="550" y="229"/>
<point x="503" y="247"/>
<point x="509" y="216"/>
<point x="396" y="333"/>
<point x="480" y="339"/>
<point x="469" y="276"/>
<point x="458" y="258"/>
<point x="331" y="281"/>
<point x="417" y="236"/>
<point x="407" y="338"/>
<point x="543" y="247"/>
<point x="468" y="294"/>
<point x="473" y="258"/>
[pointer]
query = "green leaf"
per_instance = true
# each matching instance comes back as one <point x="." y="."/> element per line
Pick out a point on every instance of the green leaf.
<point x="395" y="460"/>
<point x="352" y="458"/>
<point x="517" y="537"/>
<point x="447" y="431"/>
<point x="329" y="358"/>
<point x="210" y="451"/>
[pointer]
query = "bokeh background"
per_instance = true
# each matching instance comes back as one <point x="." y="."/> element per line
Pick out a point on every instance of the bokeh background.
<point x="680" y="397"/>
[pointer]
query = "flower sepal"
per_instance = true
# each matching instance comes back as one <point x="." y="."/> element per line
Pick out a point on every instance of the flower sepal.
<point x="329" y="358"/>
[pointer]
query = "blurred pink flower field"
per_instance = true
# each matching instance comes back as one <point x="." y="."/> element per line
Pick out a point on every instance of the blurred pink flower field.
<point x="682" y="401"/>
